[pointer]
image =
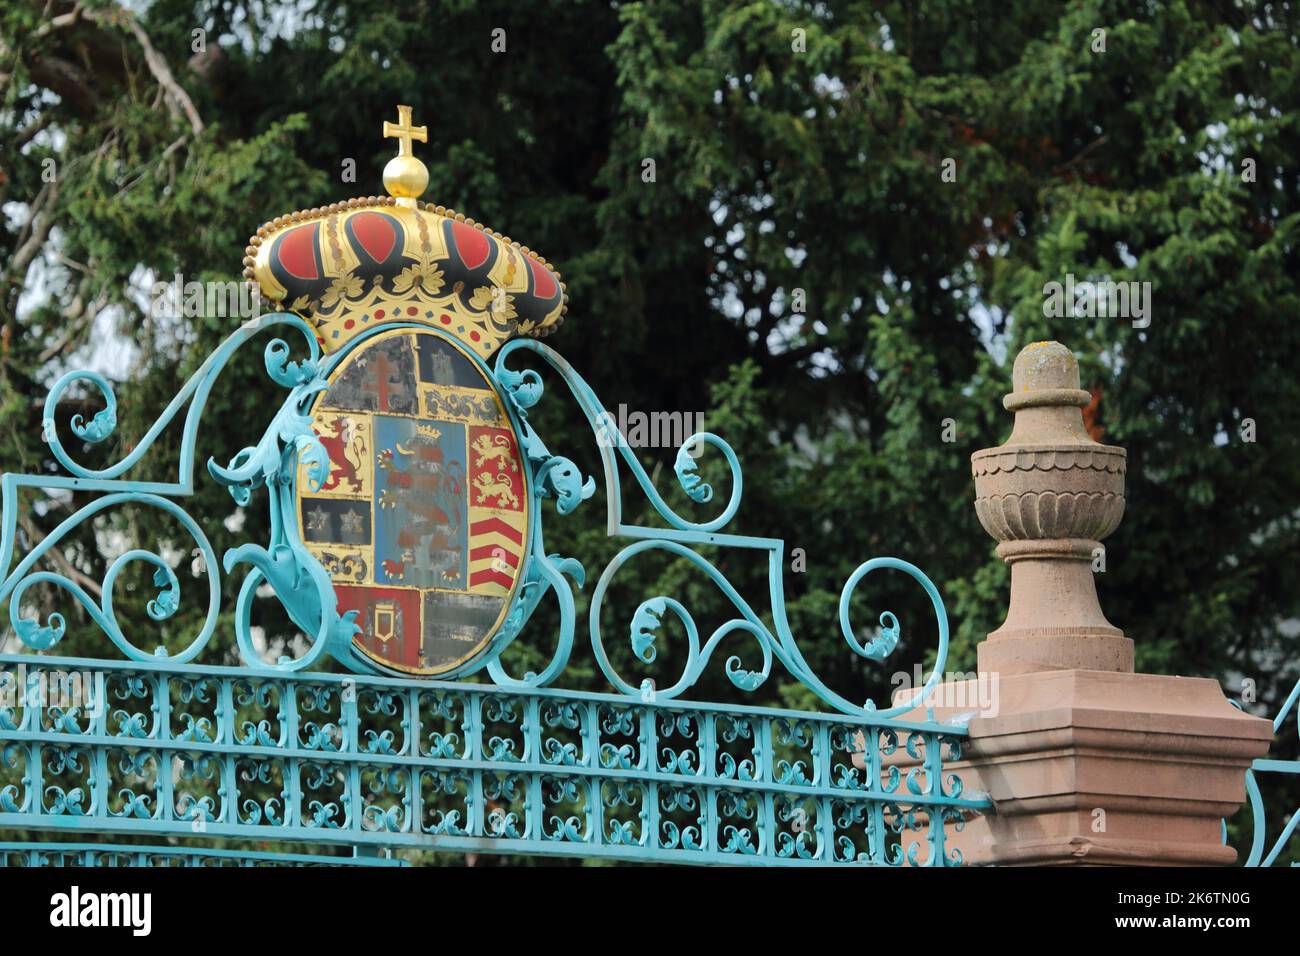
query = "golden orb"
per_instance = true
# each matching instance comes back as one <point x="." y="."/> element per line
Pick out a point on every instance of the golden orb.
<point x="405" y="177"/>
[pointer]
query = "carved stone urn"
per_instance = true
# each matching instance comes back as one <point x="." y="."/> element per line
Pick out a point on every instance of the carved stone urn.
<point x="1086" y="762"/>
<point x="1050" y="495"/>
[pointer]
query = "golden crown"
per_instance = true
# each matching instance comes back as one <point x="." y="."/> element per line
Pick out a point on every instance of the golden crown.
<point x="356" y="264"/>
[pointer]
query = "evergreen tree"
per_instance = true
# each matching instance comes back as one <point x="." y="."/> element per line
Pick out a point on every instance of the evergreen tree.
<point x="828" y="226"/>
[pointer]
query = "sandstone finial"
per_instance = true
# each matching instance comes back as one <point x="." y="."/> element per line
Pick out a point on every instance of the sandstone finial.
<point x="1050" y="495"/>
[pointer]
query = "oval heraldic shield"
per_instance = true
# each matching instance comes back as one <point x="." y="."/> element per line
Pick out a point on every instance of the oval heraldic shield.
<point x="422" y="521"/>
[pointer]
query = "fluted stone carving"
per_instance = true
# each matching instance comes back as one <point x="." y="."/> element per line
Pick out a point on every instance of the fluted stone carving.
<point x="1013" y="508"/>
<point x="1050" y="495"/>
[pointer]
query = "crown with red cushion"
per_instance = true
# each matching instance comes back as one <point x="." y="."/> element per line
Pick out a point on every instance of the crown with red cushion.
<point x="352" y="265"/>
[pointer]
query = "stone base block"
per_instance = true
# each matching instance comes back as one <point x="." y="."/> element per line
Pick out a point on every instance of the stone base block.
<point x="1098" y="767"/>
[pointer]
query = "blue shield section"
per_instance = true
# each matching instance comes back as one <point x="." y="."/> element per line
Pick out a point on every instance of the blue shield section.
<point x="421" y="503"/>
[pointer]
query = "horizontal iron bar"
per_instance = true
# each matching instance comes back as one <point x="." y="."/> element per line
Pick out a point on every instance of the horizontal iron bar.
<point x="199" y="853"/>
<point x="445" y="764"/>
<point x="363" y="761"/>
<point x="191" y="671"/>
<point x="1277" y="766"/>
<point x="431" y="841"/>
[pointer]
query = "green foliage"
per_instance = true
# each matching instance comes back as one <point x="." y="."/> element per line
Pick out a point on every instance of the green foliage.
<point x="778" y="175"/>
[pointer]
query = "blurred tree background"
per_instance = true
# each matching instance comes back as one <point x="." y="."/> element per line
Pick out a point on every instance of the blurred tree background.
<point x="799" y="270"/>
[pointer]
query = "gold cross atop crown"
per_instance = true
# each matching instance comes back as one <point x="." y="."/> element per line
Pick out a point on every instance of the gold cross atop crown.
<point x="405" y="177"/>
<point x="404" y="132"/>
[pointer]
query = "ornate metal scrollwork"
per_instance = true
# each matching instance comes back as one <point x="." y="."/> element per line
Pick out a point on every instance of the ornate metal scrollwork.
<point x="559" y="479"/>
<point x="1259" y="817"/>
<point x="279" y="750"/>
<point x="297" y="578"/>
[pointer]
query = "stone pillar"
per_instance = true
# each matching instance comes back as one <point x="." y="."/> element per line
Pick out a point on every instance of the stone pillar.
<point x="1086" y="761"/>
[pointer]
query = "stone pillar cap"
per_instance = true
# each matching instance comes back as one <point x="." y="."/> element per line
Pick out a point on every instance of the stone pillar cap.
<point x="1045" y="373"/>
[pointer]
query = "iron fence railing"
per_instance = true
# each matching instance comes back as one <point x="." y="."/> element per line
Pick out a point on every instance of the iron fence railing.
<point x="220" y="752"/>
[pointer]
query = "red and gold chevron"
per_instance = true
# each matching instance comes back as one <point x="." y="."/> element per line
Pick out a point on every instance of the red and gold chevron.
<point x="496" y="550"/>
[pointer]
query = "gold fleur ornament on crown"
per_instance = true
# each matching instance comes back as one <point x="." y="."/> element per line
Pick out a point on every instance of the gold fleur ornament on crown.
<point x="360" y="263"/>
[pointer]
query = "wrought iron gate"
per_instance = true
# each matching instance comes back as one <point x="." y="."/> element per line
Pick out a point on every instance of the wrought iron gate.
<point x="417" y="586"/>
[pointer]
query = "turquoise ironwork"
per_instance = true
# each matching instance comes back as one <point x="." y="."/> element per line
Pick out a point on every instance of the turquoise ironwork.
<point x="277" y="749"/>
<point x="1259" y="817"/>
<point x="108" y="855"/>
<point x="386" y="762"/>
<point x="524" y="389"/>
